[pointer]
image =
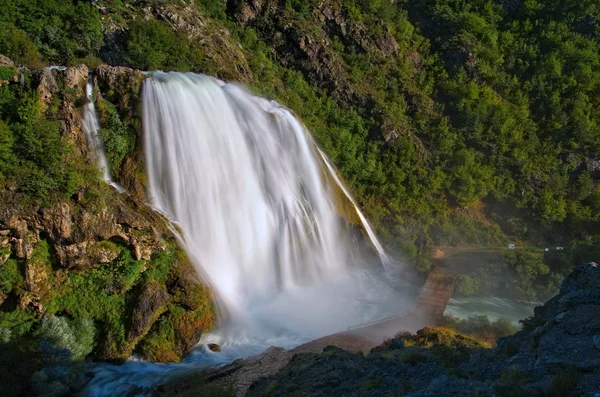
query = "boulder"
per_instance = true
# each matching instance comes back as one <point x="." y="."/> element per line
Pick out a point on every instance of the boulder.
<point x="151" y="304"/>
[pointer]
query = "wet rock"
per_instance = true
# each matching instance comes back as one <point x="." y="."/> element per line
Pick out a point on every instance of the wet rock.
<point x="151" y="304"/>
<point x="213" y="347"/>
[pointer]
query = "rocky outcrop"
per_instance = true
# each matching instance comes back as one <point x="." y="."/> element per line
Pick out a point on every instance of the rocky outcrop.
<point x="559" y="338"/>
<point x="312" y="48"/>
<point x="151" y="304"/>
<point x="97" y="253"/>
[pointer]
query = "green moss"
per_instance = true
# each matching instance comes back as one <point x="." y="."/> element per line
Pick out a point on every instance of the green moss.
<point x="10" y="275"/>
<point x="159" y="345"/>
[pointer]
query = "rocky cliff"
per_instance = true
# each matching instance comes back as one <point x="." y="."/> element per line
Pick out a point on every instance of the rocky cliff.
<point x="94" y="254"/>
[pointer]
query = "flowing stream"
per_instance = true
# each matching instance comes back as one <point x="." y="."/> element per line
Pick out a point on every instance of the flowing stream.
<point x="254" y="199"/>
<point x="91" y="127"/>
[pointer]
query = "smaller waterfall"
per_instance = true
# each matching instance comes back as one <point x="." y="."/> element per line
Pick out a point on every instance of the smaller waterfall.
<point x="91" y="127"/>
<point x="383" y="256"/>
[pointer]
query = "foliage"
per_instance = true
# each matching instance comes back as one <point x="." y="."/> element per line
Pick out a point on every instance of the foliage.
<point x="61" y="31"/>
<point x="77" y="336"/>
<point x="410" y="356"/>
<point x="466" y="285"/>
<point x="10" y="276"/>
<point x="117" y="138"/>
<point x="33" y="155"/>
<point x="511" y="382"/>
<point x="481" y="327"/>
<point x="152" y="45"/>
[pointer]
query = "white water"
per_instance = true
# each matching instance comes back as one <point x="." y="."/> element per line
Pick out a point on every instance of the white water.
<point x="385" y="260"/>
<point x="244" y="181"/>
<point x="241" y="177"/>
<point x="91" y="127"/>
<point x="493" y="307"/>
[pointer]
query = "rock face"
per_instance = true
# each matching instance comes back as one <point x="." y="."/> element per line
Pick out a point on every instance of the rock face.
<point x="310" y="48"/>
<point x="98" y="253"/>
<point x="151" y="304"/>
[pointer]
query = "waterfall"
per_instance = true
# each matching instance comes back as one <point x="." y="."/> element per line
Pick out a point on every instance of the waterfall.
<point x="243" y="179"/>
<point x="91" y="127"/>
<point x="255" y="201"/>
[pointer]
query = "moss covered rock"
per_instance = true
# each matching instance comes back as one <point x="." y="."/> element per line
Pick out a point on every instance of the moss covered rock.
<point x="94" y="253"/>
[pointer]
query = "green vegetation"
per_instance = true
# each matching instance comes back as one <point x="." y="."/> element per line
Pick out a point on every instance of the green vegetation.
<point x="34" y="158"/>
<point x="481" y="328"/>
<point x="152" y="45"/>
<point x="117" y="136"/>
<point x="58" y="31"/>
<point x="455" y="122"/>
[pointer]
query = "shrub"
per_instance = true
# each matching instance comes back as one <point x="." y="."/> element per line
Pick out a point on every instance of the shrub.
<point x="481" y="327"/>
<point x="412" y="357"/>
<point x="565" y="384"/>
<point x="118" y="139"/>
<point x="152" y="45"/>
<point x="76" y="336"/>
<point x="15" y="44"/>
<point x="466" y="285"/>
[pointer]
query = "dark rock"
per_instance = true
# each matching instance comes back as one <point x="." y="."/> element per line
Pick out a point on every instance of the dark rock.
<point x="397" y="343"/>
<point x="213" y="347"/>
<point x="565" y="343"/>
<point x="151" y="304"/>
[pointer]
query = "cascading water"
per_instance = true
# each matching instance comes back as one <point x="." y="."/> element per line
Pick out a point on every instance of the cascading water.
<point x="254" y="199"/>
<point x="91" y="127"/>
<point x="242" y="178"/>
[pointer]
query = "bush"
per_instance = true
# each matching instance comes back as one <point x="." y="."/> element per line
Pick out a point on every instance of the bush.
<point x="412" y="357"/>
<point x="481" y="327"/>
<point x="152" y="45"/>
<point x="466" y="285"/>
<point x="15" y="44"/>
<point x="76" y="336"/>
<point x="118" y="139"/>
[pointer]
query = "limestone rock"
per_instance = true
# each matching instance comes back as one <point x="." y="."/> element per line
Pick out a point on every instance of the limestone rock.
<point x="73" y="256"/>
<point x="24" y="246"/>
<point x="18" y="226"/>
<point x="6" y="62"/>
<point x="76" y="77"/>
<point x="47" y="85"/>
